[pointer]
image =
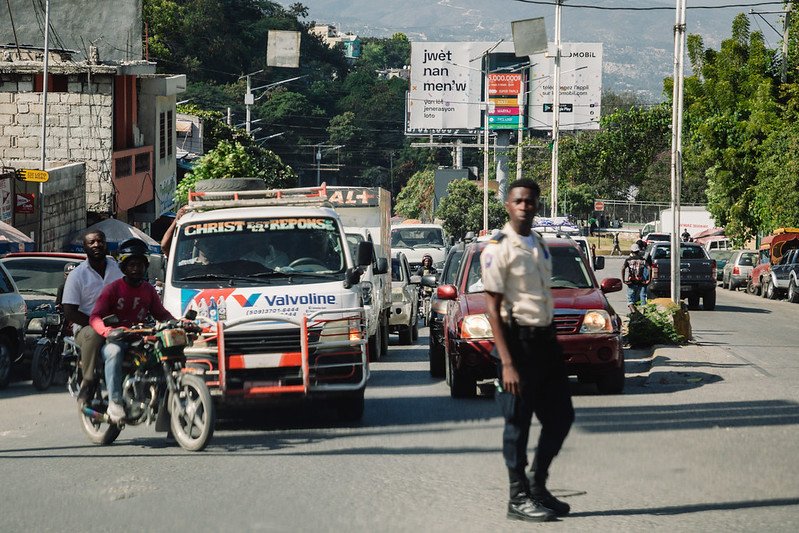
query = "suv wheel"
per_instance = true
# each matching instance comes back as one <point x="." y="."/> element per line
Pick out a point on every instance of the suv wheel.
<point x="611" y="382"/>
<point x="6" y="357"/>
<point x="436" y="359"/>
<point x="771" y="291"/>
<point x="793" y="292"/>
<point x="405" y="335"/>
<point x="709" y="300"/>
<point x="693" y="301"/>
<point x="461" y="382"/>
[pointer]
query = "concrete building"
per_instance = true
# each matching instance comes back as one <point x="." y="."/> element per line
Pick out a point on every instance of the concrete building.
<point x="332" y="37"/>
<point x="113" y="114"/>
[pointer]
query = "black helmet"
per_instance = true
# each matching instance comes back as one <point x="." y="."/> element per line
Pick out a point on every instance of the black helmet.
<point x="133" y="248"/>
<point x="427" y="256"/>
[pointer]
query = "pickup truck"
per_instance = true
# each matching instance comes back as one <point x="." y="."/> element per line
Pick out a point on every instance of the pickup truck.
<point x="697" y="273"/>
<point x="785" y="276"/>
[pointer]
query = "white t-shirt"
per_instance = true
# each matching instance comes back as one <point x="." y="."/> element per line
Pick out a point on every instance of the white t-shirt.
<point x="84" y="284"/>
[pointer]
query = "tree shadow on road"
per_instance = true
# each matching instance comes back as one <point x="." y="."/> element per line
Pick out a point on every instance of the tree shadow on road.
<point x="694" y="508"/>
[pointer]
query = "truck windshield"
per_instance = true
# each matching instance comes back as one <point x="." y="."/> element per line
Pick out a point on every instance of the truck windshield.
<point x="417" y="237"/>
<point x="258" y="247"/>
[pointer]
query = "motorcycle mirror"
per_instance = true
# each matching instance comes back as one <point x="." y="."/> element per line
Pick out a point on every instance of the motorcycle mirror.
<point x="191" y="314"/>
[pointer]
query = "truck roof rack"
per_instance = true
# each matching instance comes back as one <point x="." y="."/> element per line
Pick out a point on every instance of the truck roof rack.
<point x="301" y="196"/>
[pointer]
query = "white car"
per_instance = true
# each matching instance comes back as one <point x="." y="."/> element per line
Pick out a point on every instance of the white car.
<point x="404" y="300"/>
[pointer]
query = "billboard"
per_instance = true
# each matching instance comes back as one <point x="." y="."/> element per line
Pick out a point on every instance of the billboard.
<point x="580" y="87"/>
<point x="445" y="86"/>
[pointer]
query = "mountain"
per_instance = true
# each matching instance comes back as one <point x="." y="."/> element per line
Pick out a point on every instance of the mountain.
<point x="638" y="45"/>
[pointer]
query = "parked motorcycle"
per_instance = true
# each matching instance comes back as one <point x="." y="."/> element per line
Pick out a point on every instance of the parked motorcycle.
<point x="46" y="362"/>
<point x="156" y="387"/>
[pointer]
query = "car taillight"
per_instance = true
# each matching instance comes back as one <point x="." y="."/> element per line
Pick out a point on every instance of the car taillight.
<point x="714" y="268"/>
<point x="655" y="271"/>
<point x="735" y="270"/>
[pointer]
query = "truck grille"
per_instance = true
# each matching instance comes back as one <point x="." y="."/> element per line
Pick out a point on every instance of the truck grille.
<point x="274" y="341"/>
<point x="567" y="324"/>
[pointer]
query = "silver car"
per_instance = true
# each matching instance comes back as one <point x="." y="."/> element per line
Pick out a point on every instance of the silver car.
<point x="12" y="324"/>
<point x="738" y="269"/>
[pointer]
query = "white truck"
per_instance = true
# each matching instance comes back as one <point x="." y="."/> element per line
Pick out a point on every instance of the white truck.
<point x="416" y="240"/>
<point x="366" y="215"/>
<point x="274" y="282"/>
<point x="694" y="219"/>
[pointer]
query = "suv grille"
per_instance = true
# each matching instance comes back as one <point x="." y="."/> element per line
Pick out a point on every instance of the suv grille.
<point x="567" y="324"/>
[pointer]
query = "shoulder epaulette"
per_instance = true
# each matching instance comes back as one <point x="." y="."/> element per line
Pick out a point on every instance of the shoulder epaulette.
<point x="495" y="238"/>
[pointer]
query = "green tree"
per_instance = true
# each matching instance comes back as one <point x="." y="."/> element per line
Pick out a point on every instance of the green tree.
<point x="462" y="209"/>
<point x="415" y="200"/>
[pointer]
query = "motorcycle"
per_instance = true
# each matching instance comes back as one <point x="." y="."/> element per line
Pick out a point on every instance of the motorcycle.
<point x="156" y="387"/>
<point x="46" y="361"/>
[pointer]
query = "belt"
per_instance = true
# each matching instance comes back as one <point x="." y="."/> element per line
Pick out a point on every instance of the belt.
<point x="522" y="332"/>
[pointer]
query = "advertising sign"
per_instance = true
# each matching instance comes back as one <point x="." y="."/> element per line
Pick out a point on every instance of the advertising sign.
<point x="445" y="86"/>
<point x="6" y="203"/>
<point x="580" y="87"/>
<point x="503" y="87"/>
<point x="24" y="204"/>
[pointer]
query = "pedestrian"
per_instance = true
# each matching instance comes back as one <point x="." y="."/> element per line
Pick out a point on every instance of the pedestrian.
<point x="637" y="277"/>
<point x="531" y="371"/>
<point x="81" y="290"/>
<point x="592" y="225"/>
<point x="616" y="247"/>
<point x="685" y="236"/>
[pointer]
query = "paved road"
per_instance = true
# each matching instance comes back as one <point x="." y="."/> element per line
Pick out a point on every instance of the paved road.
<point x="704" y="439"/>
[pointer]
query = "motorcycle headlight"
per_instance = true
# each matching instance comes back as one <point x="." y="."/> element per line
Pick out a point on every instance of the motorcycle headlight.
<point x="476" y="327"/>
<point x="52" y="319"/>
<point x="597" y="321"/>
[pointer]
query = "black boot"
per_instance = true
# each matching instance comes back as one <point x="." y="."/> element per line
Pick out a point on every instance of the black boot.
<point x="521" y="507"/>
<point x="538" y="493"/>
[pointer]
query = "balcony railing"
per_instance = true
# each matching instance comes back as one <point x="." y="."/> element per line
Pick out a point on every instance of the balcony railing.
<point x="132" y="171"/>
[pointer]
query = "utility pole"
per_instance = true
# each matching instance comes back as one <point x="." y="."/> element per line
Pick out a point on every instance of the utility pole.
<point x="44" y="119"/>
<point x="785" y="27"/>
<point x="556" y="113"/>
<point x="676" y="147"/>
<point x="249" y="100"/>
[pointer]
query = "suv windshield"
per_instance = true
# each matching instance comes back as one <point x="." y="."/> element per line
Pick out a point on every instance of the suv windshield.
<point x="250" y="248"/>
<point x="417" y="237"/>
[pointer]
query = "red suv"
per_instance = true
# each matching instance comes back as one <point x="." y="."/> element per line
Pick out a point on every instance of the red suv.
<point x="588" y="327"/>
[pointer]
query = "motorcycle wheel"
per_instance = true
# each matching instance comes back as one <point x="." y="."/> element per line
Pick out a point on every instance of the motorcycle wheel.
<point x="192" y="413"/>
<point x="43" y="365"/>
<point x="98" y="432"/>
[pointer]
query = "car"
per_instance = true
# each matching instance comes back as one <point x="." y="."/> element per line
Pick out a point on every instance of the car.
<point x="721" y="257"/>
<point x="404" y="300"/>
<point x="438" y="307"/>
<point x="652" y="237"/>
<point x="597" y="262"/>
<point x="12" y="324"/>
<point x="588" y="327"/>
<point x="738" y="269"/>
<point x="38" y="275"/>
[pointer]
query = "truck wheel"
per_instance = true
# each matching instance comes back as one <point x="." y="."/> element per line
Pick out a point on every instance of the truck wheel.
<point x="405" y="335"/>
<point x="415" y="330"/>
<point x="6" y="358"/>
<point x="771" y="291"/>
<point x="709" y="300"/>
<point x="693" y="301"/>
<point x="384" y="337"/>
<point x="375" y="344"/>
<point x="461" y="383"/>
<point x="350" y="407"/>
<point x="793" y="292"/>
<point x="230" y="184"/>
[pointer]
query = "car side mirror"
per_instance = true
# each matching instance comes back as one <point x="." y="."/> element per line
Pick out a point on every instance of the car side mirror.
<point x="599" y="262"/>
<point x="352" y="277"/>
<point x="157" y="269"/>
<point x="446" y="292"/>
<point x="382" y="266"/>
<point x="610" y="285"/>
<point x="365" y="253"/>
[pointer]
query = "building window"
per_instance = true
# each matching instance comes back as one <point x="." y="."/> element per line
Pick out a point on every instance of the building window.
<point x="162" y="137"/>
<point x="170" y="125"/>
<point x="56" y="83"/>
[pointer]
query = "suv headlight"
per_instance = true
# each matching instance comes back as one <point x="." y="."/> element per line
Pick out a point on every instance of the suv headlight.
<point x="476" y="327"/>
<point x="596" y="321"/>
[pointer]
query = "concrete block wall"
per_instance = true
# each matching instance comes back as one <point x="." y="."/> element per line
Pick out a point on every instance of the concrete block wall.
<point x="79" y="129"/>
<point x="64" y="206"/>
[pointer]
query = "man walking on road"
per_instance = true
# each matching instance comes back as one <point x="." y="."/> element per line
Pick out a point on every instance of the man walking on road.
<point x="531" y="371"/>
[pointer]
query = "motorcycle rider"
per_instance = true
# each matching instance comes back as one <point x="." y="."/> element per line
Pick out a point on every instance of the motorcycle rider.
<point x="426" y="268"/>
<point x="81" y="290"/>
<point x="131" y="299"/>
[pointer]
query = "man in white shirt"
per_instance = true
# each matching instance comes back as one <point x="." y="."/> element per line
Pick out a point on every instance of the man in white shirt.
<point x="81" y="290"/>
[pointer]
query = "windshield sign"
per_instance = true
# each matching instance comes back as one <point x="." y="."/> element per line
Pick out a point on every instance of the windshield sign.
<point x="258" y="249"/>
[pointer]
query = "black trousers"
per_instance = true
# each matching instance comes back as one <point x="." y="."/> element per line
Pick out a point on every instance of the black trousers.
<point x="545" y="393"/>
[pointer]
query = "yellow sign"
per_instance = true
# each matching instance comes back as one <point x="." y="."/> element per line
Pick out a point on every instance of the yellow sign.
<point x="25" y="174"/>
<point x="504" y="102"/>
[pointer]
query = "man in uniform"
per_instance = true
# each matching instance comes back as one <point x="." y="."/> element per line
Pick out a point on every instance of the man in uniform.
<point x="81" y="290"/>
<point x="532" y="378"/>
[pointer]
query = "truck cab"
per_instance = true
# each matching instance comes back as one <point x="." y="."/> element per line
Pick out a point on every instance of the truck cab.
<point x="278" y="291"/>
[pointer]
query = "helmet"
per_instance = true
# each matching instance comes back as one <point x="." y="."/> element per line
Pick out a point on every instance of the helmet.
<point x="635" y="248"/>
<point x="427" y="256"/>
<point x="133" y="248"/>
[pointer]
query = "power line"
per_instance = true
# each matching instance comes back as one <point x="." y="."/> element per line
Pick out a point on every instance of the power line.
<point x="647" y="8"/>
